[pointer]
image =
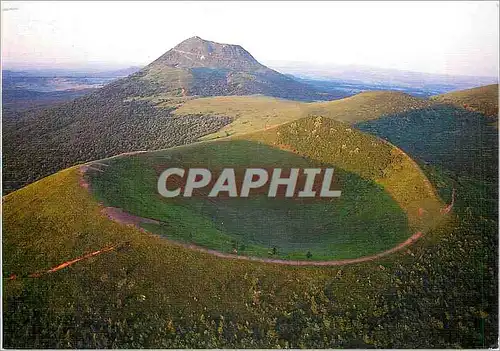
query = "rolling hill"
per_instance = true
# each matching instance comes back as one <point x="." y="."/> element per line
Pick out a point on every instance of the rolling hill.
<point x="251" y="113"/>
<point x="35" y="88"/>
<point x="145" y="291"/>
<point x="482" y="99"/>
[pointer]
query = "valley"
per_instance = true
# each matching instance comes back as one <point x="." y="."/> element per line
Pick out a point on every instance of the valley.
<point x="23" y="90"/>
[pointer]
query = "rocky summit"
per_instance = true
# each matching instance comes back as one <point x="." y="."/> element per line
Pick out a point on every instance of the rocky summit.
<point x="197" y="52"/>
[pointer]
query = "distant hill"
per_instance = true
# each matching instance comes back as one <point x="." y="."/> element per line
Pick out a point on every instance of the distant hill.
<point x="198" y="67"/>
<point x="17" y="100"/>
<point x="383" y="77"/>
<point x="69" y="73"/>
<point x="352" y="87"/>
<point x="481" y="99"/>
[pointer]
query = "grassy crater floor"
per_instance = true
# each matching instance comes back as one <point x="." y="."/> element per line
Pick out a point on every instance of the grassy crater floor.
<point x="365" y="220"/>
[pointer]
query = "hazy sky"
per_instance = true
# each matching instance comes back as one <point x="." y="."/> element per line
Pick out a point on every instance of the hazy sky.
<point x="436" y="37"/>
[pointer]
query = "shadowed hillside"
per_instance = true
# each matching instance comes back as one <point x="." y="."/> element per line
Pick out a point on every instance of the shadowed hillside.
<point x="450" y="137"/>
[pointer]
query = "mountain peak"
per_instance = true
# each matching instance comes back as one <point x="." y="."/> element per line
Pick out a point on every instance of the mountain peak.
<point x="196" y="40"/>
<point x="199" y="67"/>
<point x="196" y="52"/>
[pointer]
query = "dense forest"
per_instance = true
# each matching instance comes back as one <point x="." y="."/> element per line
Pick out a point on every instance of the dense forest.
<point x="40" y="142"/>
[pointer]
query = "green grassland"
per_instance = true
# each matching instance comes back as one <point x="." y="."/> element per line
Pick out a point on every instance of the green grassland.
<point x="367" y="105"/>
<point x="251" y="113"/>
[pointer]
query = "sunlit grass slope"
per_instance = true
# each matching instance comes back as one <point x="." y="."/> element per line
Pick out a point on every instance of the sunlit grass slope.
<point x="251" y="113"/>
<point x="367" y="105"/>
<point x="482" y="99"/>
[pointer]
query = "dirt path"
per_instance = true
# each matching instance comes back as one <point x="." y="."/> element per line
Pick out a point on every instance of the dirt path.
<point x="401" y="246"/>
<point x="448" y="208"/>
<point x="118" y="215"/>
<point x="122" y="217"/>
<point x="68" y="263"/>
<point x="83" y="182"/>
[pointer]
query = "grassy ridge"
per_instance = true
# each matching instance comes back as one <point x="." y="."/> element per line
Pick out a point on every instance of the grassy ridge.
<point x="324" y="140"/>
<point x="367" y="105"/>
<point x="481" y="99"/>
